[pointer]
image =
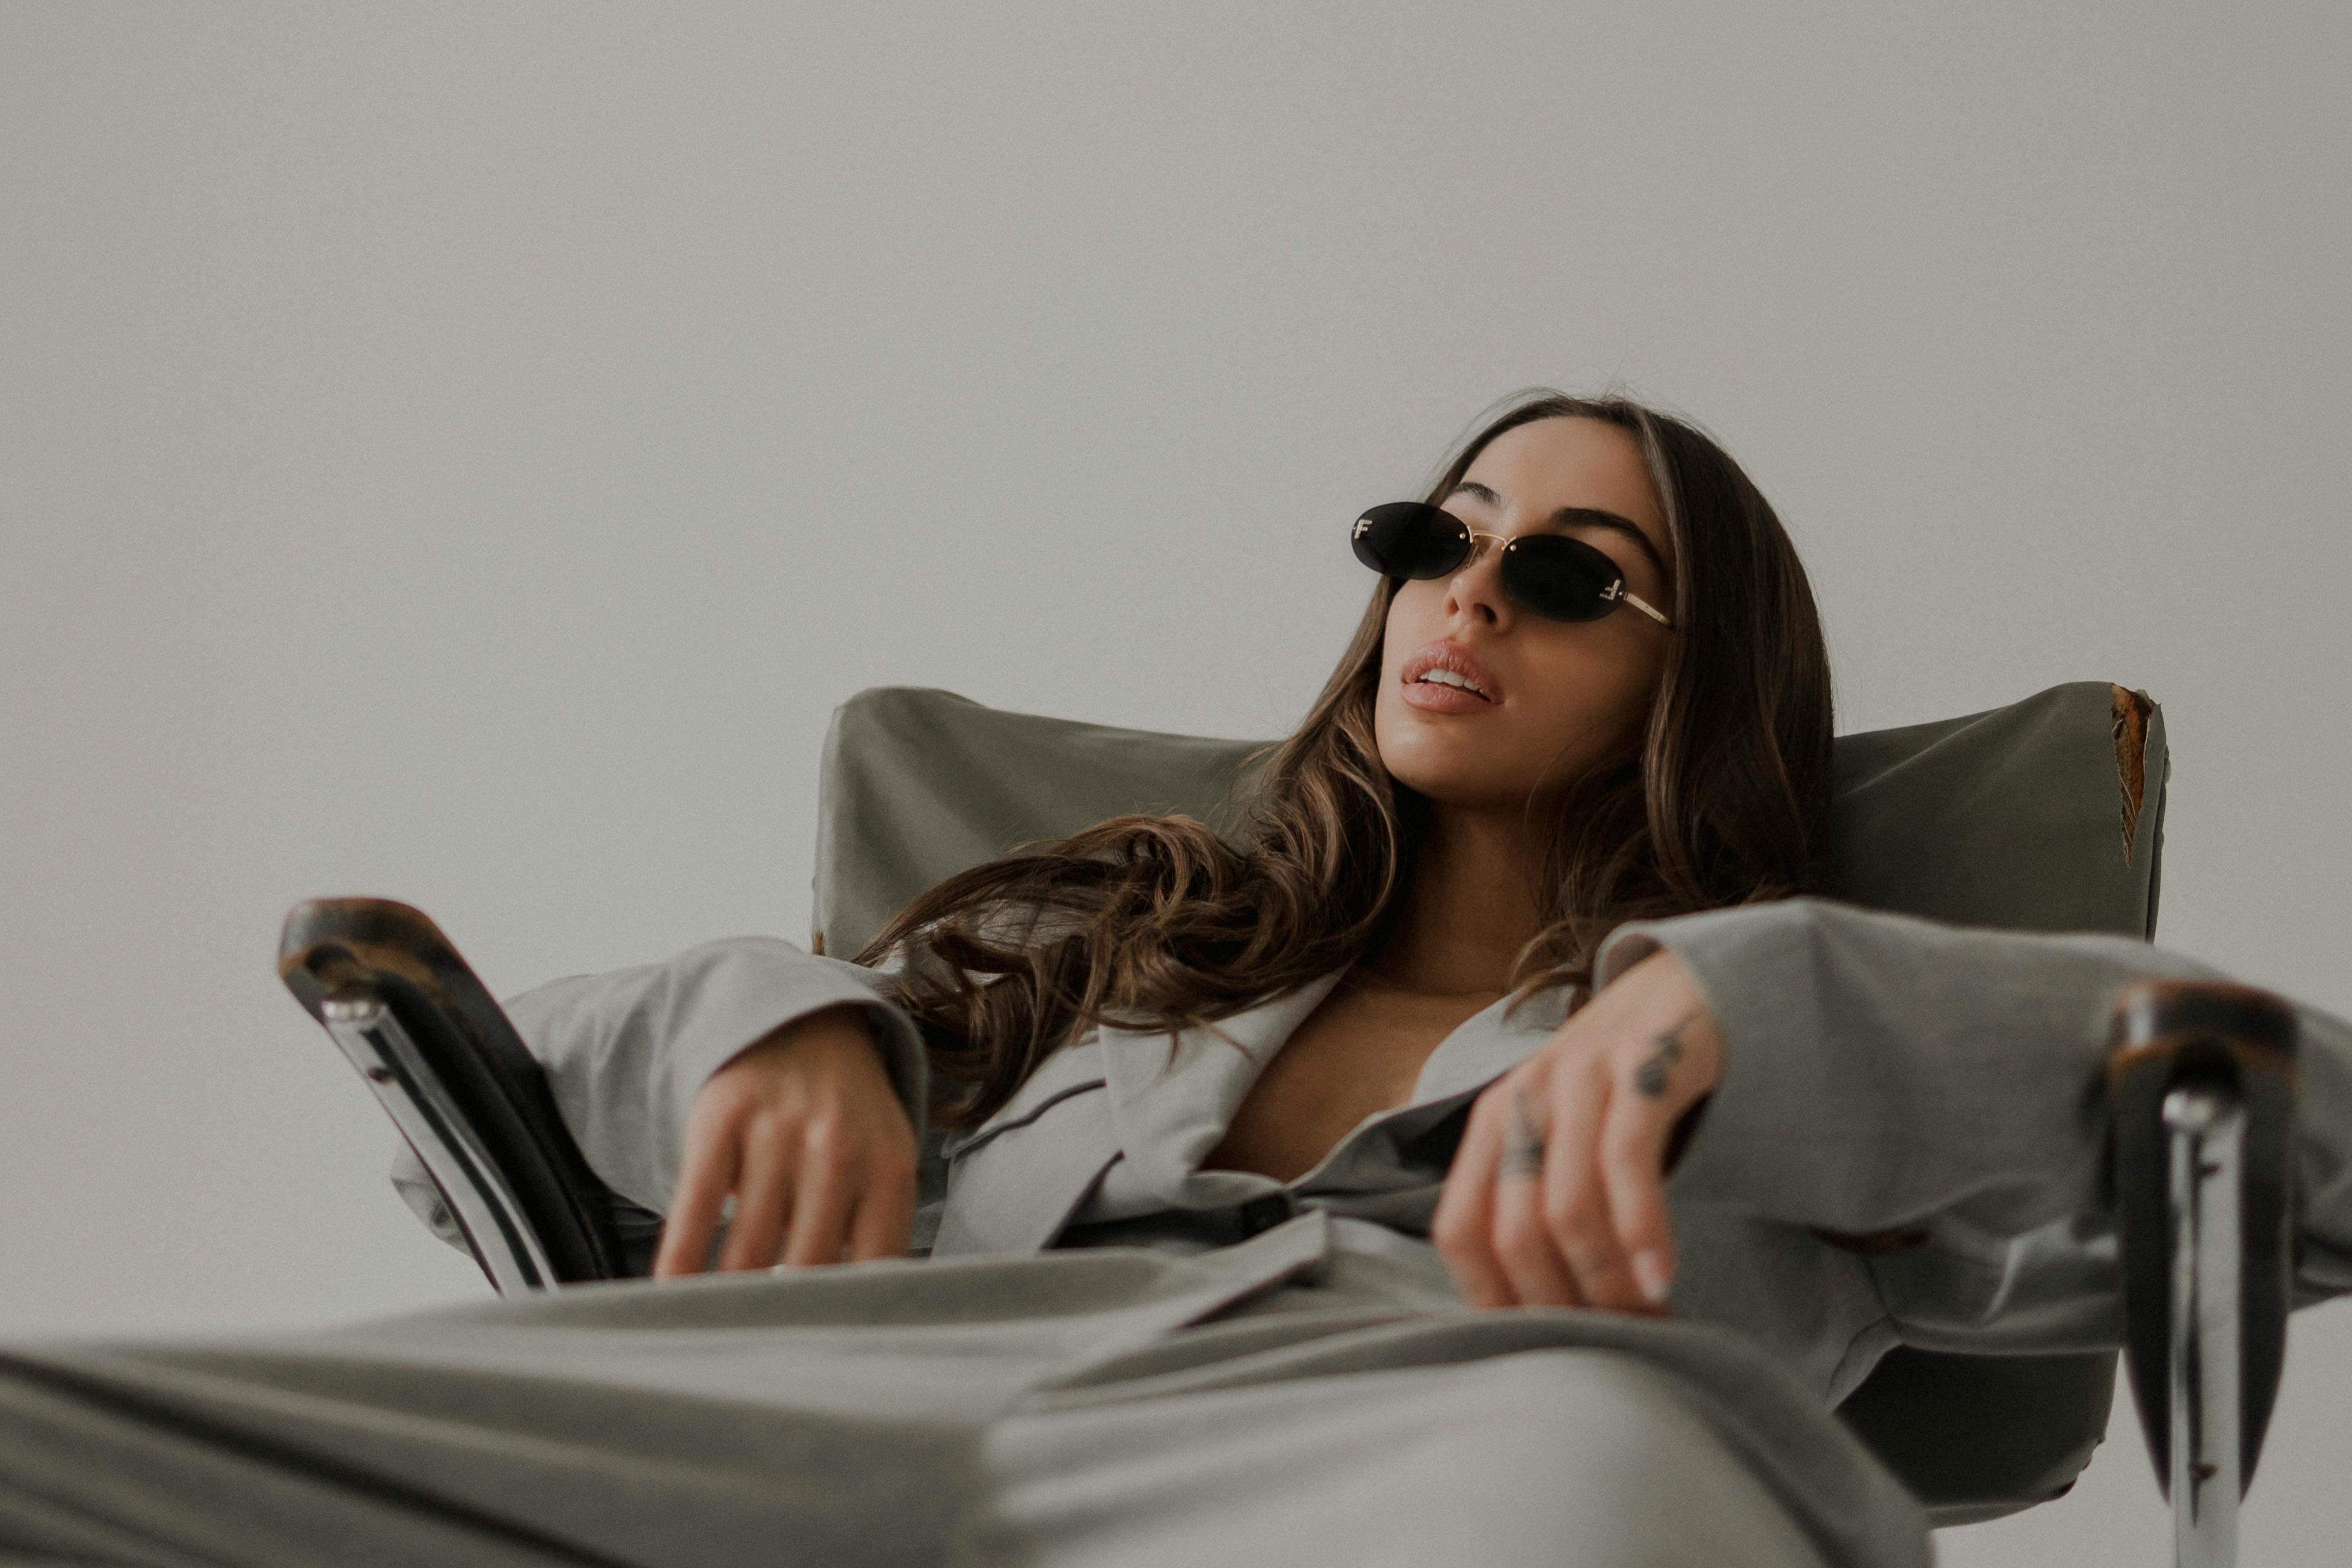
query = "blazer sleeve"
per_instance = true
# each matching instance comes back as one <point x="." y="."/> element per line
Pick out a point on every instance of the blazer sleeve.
<point x="1886" y="1073"/>
<point x="626" y="1051"/>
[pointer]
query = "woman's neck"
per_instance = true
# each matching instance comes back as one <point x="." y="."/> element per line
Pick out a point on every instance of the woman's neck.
<point x="1471" y="906"/>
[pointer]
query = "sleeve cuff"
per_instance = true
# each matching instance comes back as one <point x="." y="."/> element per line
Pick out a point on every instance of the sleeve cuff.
<point x="755" y="987"/>
<point x="1879" y="1070"/>
<point x="629" y="1051"/>
<point x="1769" y="1101"/>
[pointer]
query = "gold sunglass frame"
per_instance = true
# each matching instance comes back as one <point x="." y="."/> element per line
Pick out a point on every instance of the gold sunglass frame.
<point x="1616" y="592"/>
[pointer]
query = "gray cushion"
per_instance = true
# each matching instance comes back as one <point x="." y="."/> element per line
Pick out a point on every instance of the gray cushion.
<point x="2008" y="817"/>
<point x="2019" y="817"/>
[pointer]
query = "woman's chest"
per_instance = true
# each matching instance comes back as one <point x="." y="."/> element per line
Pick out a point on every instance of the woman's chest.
<point x="1358" y="1054"/>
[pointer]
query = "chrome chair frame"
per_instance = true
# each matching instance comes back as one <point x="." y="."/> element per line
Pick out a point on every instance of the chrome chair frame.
<point x="446" y="1065"/>
<point x="2200" y="1084"/>
<point x="2207" y="1128"/>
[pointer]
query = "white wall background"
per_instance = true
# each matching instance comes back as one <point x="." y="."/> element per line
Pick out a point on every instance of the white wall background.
<point x="463" y="453"/>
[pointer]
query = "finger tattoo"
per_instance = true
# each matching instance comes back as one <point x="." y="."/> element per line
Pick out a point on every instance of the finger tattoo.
<point x="1650" y="1078"/>
<point x="1523" y="1144"/>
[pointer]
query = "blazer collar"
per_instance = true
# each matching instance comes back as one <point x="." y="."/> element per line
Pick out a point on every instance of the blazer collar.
<point x="1172" y="1109"/>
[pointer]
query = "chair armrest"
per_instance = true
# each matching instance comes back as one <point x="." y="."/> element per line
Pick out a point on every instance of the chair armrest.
<point x="447" y="1065"/>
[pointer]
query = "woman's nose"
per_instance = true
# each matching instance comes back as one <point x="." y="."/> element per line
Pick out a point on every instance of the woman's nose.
<point x="1476" y="584"/>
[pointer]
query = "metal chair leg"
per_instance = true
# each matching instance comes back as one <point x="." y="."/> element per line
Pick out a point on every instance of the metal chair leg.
<point x="2208" y="1138"/>
<point x="493" y="1219"/>
<point x="2201" y="1094"/>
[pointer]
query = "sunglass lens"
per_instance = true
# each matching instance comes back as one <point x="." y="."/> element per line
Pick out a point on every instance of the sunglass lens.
<point x="1560" y="579"/>
<point x="1409" y="539"/>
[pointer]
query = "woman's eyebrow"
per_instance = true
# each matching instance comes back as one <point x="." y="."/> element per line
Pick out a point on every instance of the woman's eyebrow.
<point x="1577" y="517"/>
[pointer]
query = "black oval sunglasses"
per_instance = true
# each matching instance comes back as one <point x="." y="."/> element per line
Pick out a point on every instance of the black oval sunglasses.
<point x="1548" y="575"/>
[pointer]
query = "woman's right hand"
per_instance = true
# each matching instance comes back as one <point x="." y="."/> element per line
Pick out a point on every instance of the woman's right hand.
<point x="804" y="1128"/>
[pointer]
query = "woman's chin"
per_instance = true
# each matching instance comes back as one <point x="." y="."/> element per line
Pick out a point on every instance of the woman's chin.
<point x="1453" y="776"/>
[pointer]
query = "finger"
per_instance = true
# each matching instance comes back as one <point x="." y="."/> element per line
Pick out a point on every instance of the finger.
<point x="1576" y="1204"/>
<point x="820" y="1201"/>
<point x="884" y="1220"/>
<point x="707" y="1174"/>
<point x="1462" y="1227"/>
<point x="1523" y="1237"/>
<point x="764" y="1196"/>
<point x="1632" y="1164"/>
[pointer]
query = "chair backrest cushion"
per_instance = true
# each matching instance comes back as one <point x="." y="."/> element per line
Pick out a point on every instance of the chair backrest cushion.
<point x="2029" y="816"/>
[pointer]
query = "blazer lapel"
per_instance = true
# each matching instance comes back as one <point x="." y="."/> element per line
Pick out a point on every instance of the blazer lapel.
<point x="1170" y="1113"/>
<point x="1481" y="1049"/>
<point x="1014" y="1180"/>
<point x="1172" y="1106"/>
<point x="1484" y="1046"/>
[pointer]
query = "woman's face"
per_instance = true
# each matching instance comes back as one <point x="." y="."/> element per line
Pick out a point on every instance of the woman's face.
<point x="1561" y="694"/>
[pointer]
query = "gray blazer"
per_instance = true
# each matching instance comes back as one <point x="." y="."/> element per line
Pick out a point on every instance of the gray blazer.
<point x="1881" y="1072"/>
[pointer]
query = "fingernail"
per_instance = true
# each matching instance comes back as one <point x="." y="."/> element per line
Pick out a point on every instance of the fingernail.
<point x="1650" y="1273"/>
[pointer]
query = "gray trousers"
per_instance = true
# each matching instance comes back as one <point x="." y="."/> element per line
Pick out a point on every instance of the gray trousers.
<point x="1263" y="1403"/>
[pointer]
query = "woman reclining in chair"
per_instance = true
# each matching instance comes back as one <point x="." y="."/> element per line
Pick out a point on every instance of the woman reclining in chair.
<point x="1302" y="1203"/>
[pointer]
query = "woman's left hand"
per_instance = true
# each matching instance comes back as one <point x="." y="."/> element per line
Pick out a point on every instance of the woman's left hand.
<point x="1557" y="1194"/>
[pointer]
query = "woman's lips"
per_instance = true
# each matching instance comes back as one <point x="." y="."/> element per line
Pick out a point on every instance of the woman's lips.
<point x="1431" y="697"/>
<point x="1451" y="657"/>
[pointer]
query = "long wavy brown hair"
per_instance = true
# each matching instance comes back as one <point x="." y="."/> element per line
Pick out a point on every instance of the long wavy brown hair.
<point x="1157" y="922"/>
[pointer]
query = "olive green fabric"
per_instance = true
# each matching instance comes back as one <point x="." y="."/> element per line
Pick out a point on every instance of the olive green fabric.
<point x="2014" y="817"/>
<point x="918" y="783"/>
<point x="2010" y="818"/>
